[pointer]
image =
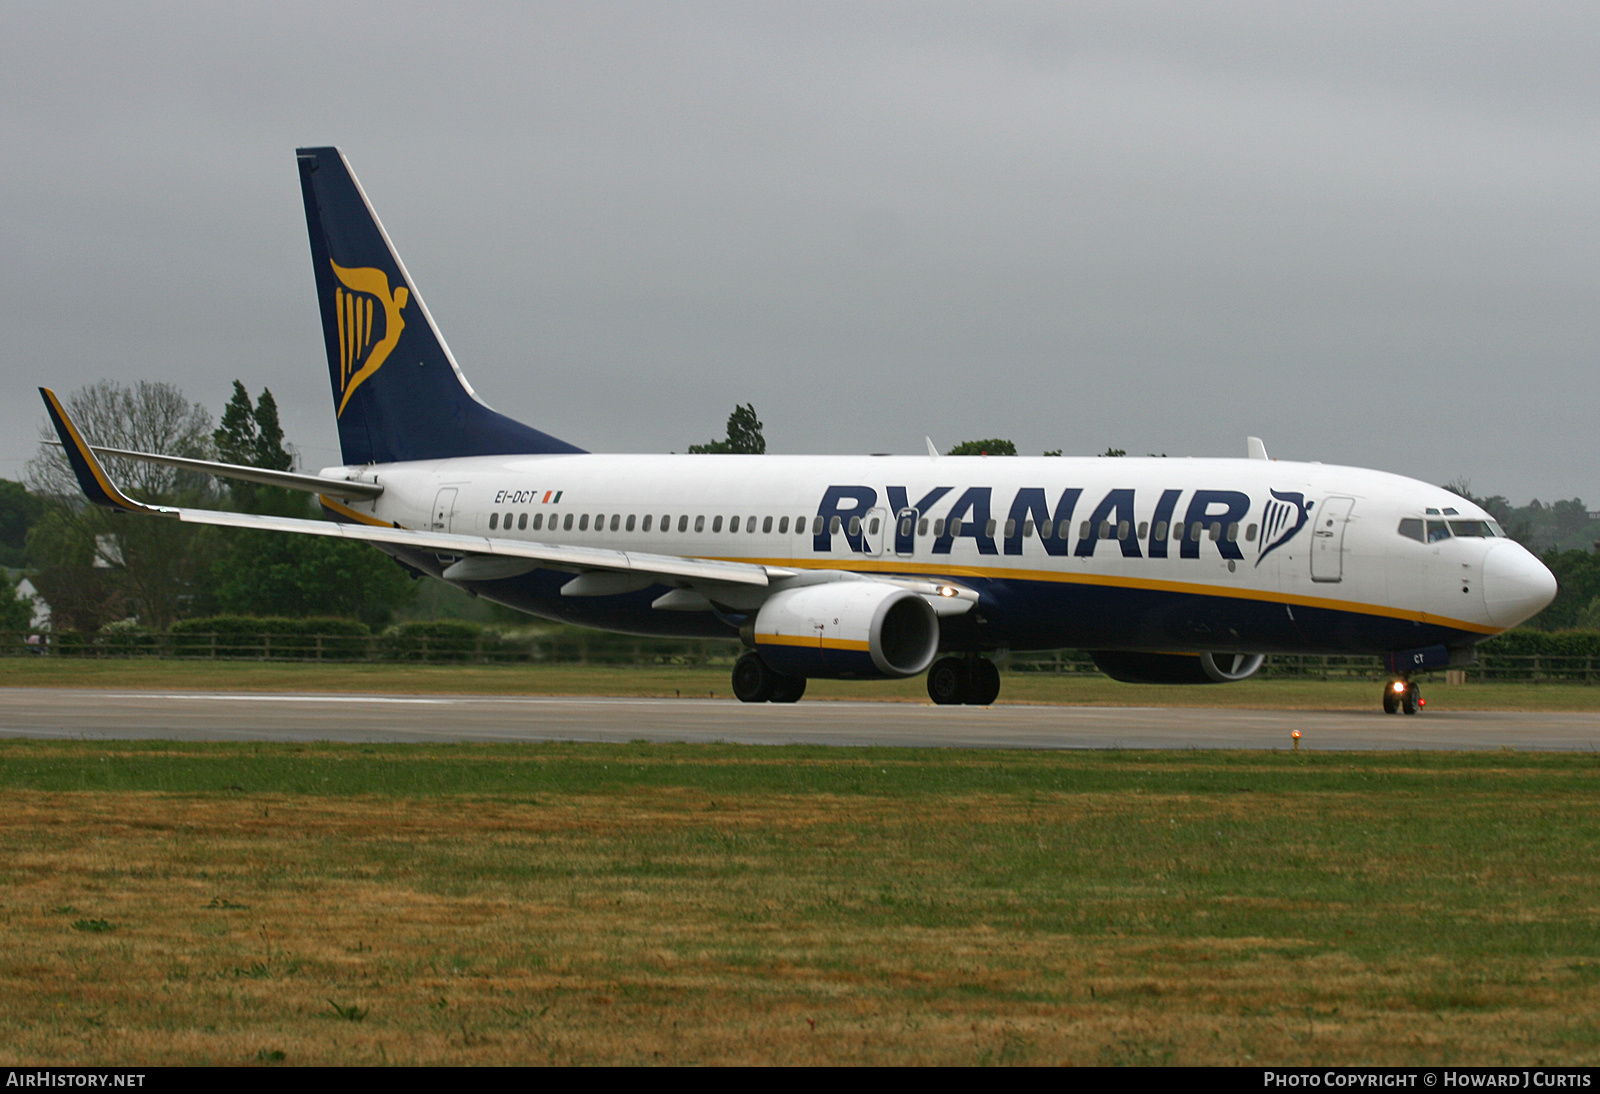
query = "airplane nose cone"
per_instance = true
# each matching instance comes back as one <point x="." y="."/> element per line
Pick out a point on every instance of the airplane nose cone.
<point x="1516" y="585"/>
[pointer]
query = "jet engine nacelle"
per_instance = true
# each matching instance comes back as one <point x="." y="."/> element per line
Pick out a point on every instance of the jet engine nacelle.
<point x="846" y="629"/>
<point x="1177" y="668"/>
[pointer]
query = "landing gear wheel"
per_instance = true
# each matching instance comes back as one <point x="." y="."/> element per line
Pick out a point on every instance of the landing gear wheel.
<point x="983" y="683"/>
<point x="948" y="681"/>
<point x="1391" y="698"/>
<point x="753" y="682"/>
<point x="1411" y="701"/>
<point x="788" y="689"/>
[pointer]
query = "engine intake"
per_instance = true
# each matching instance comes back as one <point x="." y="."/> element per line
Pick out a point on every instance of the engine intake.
<point x="846" y="629"/>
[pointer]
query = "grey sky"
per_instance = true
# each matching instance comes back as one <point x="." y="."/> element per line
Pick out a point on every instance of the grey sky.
<point x="1369" y="234"/>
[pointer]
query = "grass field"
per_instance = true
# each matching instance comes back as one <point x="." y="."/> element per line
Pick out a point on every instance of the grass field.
<point x="475" y="904"/>
<point x="687" y="681"/>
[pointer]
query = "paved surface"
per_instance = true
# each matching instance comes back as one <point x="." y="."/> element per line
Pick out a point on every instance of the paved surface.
<point x="111" y="715"/>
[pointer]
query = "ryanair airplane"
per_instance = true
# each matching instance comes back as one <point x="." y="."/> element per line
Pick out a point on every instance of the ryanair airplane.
<point x="1169" y="570"/>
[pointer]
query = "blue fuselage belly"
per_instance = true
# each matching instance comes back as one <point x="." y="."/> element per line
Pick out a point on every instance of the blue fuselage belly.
<point x="1035" y="615"/>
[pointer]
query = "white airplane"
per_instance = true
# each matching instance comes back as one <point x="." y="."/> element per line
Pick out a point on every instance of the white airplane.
<point x="1170" y="570"/>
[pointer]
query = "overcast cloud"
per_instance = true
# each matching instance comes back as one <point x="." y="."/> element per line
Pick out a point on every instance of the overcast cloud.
<point x="1368" y="233"/>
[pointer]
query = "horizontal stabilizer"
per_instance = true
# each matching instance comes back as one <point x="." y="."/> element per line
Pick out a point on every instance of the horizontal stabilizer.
<point x="288" y="480"/>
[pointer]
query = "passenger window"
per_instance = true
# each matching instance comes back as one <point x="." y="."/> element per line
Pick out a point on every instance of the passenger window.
<point x="1411" y="528"/>
<point x="783" y="526"/>
<point x="494" y="521"/>
<point x="1437" y="530"/>
<point x="1083" y="530"/>
<point x="716" y="524"/>
<point x="1250" y="534"/>
<point x="1195" y="528"/>
<point x="616" y="519"/>
<point x="922" y="527"/>
<point x="683" y="523"/>
<point x="816" y="524"/>
<point x="1105" y="529"/>
<point x="583" y="523"/>
<point x="1177" y="529"/>
<point x="954" y="527"/>
<point x="1233" y="532"/>
<point x="1144" y="528"/>
<point x="700" y="524"/>
<point x="766" y="526"/>
<point x="938" y="526"/>
<point x="750" y="525"/>
<point x="538" y="521"/>
<point x="733" y="525"/>
<point x="1122" y="529"/>
<point x="1161" y="530"/>
<point x="1216" y="531"/>
<point x="646" y="526"/>
<point x="1027" y="528"/>
<point x="522" y="522"/>
<point x="988" y="529"/>
<point x="566" y="525"/>
<point x="855" y="526"/>
<point x="629" y="525"/>
<point x="872" y="529"/>
<point x="1011" y="528"/>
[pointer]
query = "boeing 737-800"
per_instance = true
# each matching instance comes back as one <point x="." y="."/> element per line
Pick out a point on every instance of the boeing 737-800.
<point x="1169" y="570"/>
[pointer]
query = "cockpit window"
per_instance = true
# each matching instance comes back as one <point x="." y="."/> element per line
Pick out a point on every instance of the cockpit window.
<point x="1478" y="528"/>
<point x="1451" y="513"/>
<point x="1437" y="530"/>
<point x="1411" y="528"/>
<point x="1431" y="512"/>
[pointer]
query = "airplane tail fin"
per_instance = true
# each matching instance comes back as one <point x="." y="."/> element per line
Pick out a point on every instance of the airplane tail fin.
<point x="397" y="391"/>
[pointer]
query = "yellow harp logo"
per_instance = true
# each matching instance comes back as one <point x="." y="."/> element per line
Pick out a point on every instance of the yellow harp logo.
<point x="359" y="355"/>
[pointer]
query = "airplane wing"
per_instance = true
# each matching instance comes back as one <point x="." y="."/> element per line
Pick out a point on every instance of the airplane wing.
<point x="99" y="488"/>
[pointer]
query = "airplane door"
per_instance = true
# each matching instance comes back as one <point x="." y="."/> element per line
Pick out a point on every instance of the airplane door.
<point x="444" y="509"/>
<point x="873" y="531"/>
<point x="1327" y="543"/>
<point x="905" y="533"/>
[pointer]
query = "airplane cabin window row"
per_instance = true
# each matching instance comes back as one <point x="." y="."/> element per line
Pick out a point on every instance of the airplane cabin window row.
<point x="940" y="526"/>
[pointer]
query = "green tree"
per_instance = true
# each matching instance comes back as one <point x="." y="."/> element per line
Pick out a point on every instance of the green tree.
<point x="281" y="573"/>
<point x="744" y="436"/>
<point x="994" y="446"/>
<point x="252" y="436"/>
<point x="16" y="611"/>
<point x="18" y="511"/>
<point x="1115" y="453"/>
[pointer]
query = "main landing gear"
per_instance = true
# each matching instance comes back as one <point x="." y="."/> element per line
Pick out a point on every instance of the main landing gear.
<point x="969" y="680"/>
<point x="1403" y="696"/>
<point x="754" y="682"/>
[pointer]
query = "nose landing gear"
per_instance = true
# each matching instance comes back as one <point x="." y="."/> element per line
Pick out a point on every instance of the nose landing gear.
<point x="1402" y="696"/>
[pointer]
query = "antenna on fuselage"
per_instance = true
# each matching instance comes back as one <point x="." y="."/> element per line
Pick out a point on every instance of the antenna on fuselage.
<point x="1257" y="448"/>
<point x="933" y="449"/>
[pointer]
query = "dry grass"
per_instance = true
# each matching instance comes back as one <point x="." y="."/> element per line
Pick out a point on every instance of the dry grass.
<point x="1348" y="910"/>
<point x="700" y="681"/>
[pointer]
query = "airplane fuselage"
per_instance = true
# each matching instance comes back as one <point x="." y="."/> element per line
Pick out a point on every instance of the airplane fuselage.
<point x="1222" y="555"/>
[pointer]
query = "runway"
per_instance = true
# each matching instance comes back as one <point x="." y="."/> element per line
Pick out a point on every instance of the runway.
<point x="191" y="716"/>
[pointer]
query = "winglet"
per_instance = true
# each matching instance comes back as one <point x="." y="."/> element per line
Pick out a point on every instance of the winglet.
<point x="96" y="484"/>
<point x="1257" y="449"/>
